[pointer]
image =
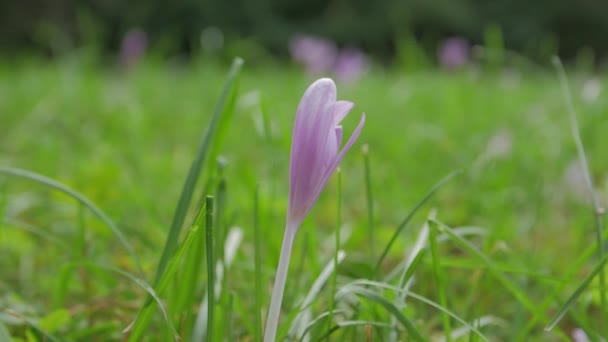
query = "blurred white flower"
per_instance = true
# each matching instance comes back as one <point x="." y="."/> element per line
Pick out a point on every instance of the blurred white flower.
<point x="591" y="90"/>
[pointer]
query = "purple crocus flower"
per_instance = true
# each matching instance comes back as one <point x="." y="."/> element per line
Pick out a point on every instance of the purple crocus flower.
<point x="315" y="53"/>
<point x="315" y="155"/>
<point x="454" y="53"/>
<point x="133" y="47"/>
<point x="350" y="64"/>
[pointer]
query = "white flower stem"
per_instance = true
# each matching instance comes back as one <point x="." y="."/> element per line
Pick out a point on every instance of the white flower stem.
<point x="279" y="285"/>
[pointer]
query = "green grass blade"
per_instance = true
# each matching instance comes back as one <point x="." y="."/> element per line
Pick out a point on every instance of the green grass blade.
<point x="329" y="270"/>
<point x="363" y="282"/>
<point x="210" y="267"/>
<point x="80" y="198"/>
<point x="409" y="326"/>
<point x="574" y="296"/>
<point x="598" y="210"/>
<point x="139" y="282"/>
<point x="345" y="324"/>
<point x="193" y="175"/>
<point x="314" y="322"/>
<point x="138" y="328"/>
<point x="257" y="273"/>
<point x="369" y="200"/>
<point x="190" y="274"/>
<point x="492" y="268"/>
<point x="439" y="282"/>
<point x="410" y="215"/>
<point x="337" y="248"/>
<point x="231" y="245"/>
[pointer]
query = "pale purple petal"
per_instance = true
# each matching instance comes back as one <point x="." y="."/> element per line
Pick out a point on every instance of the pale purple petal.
<point x="309" y="145"/>
<point x="338" y="137"/>
<point x="315" y="148"/>
<point x="338" y="158"/>
<point x="346" y="147"/>
<point x="333" y="145"/>
<point x="342" y="108"/>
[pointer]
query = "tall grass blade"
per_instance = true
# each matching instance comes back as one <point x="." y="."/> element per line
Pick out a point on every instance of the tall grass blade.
<point x="210" y="267"/>
<point x="410" y="215"/>
<point x="409" y="326"/>
<point x="439" y="283"/>
<point x="492" y="268"/>
<point x="300" y="322"/>
<point x="370" y="283"/>
<point x="574" y="296"/>
<point x="138" y="328"/>
<point x="598" y="210"/>
<point x="138" y="281"/>
<point x="257" y="264"/>
<point x="193" y="175"/>
<point x="233" y="241"/>
<point x="337" y="247"/>
<point x="370" y="201"/>
<point x="81" y="199"/>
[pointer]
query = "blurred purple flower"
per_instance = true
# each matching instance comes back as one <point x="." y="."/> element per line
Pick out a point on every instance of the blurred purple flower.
<point x="133" y="47"/>
<point x="453" y="53"/>
<point x="317" y="54"/>
<point x="350" y="64"/>
<point x="579" y="335"/>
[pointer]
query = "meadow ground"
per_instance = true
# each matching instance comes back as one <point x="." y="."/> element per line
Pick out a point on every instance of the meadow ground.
<point x="522" y="234"/>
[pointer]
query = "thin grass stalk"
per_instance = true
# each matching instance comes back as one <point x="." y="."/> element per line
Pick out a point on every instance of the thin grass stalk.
<point x="369" y="201"/>
<point x="598" y="210"/>
<point x="210" y="267"/>
<point x="336" y="250"/>
<point x="257" y="264"/>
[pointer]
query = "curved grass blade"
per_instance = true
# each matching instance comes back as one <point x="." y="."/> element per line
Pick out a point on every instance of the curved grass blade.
<point x="439" y="282"/>
<point x="420" y="299"/>
<point x="257" y="267"/>
<point x="344" y="324"/>
<point x="315" y="289"/>
<point x="411" y="329"/>
<point x="138" y="327"/>
<point x="579" y="290"/>
<point x="210" y="267"/>
<point x="492" y="268"/>
<point x="193" y="175"/>
<point x="139" y="282"/>
<point x="370" y="200"/>
<point x="410" y="215"/>
<point x="26" y="227"/>
<point x="38" y="178"/>
<point x="233" y="240"/>
<point x="598" y="210"/>
<point x="314" y="321"/>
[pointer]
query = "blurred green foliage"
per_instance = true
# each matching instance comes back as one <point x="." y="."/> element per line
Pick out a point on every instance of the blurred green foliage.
<point x="533" y="28"/>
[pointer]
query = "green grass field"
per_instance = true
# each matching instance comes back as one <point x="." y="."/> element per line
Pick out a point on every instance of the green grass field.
<point x="521" y="236"/>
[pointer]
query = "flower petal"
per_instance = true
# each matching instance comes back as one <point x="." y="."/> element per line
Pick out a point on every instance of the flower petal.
<point x="345" y="149"/>
<point x="333" y="145"/>
<point x="309" y="145"/>
<point x="342" y="108"/>
<point x="329" y="170"/>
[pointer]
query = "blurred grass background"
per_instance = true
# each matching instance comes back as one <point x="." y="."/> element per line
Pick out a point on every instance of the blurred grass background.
<point x="124" y="132"/>
<point x="126" y="141"/>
